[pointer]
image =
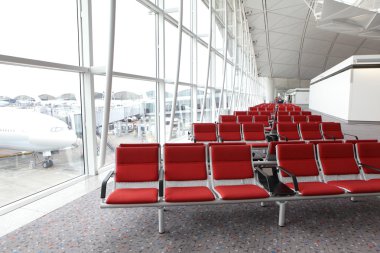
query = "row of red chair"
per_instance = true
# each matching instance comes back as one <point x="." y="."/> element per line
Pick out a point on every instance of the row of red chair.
<point x="311" y="131"/>
<point x="183" y="179"/>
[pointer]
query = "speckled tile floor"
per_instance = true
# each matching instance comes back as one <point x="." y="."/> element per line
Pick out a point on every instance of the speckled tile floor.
<point x="311" y="226"/>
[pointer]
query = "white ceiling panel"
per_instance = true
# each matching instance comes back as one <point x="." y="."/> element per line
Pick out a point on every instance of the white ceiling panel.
<point x="284" y="56"/>
<point x="284" y="41"/>
<point x="312" y="60"/>
<point x="362" y="51"/>
<point x="284" y="70"/>
<point x="320" y="47"/>
<point x="349" y="40"/>
<point x="309" y="72"/>
<point x="332" y="61"/>
<point x="342" y="51"/>
<point x="290" y="27"/>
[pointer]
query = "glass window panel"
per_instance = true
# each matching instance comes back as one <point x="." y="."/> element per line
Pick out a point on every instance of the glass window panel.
<point x="219" y="71"/>
<point x="203" y="20"/>
<point x="132" y="114"/>
<point x="40" y="131"/>
<point x="202" y="64"/>
<point x="183" y="112"/>
<point x="135" y="50"/>
<point x="207" y="113"/>
<point x="172" y="8"/>
<point x="40" y="29"/>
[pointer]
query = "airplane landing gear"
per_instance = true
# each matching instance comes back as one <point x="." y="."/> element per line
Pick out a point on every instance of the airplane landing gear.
<point x="47" y="163"/>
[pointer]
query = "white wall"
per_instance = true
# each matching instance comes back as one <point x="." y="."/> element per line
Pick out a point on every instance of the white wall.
<point x="301" y="98"/>
<point x="365" y="95"/>
<point x="332" y="95"/>
<point x="273" y="85"/>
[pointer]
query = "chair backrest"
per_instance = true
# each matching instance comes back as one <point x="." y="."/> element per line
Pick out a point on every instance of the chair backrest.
<point x="293" y="113"/>
<point x="281" y="109"/>
<point x="331" y="130"/>
<point x="266" y="113"/>
<point x="337" y="158"/>
<point x="237" y="113"/>
<point x="297" y="109"/>
<point x="226" y="143"/>
<point x="316" y="142"/>
<point x="298" y="159"/>
<point x="282" y="113"/>
<point x="229" y="132"/>
<point x="284" y="118"/>
<point x="227" y="119"/>
<point x="271" y="153"/>
<point x="262" y="119"/>
<point x="127" y="145"/>
<point x="253" y="113"/>
<point x="244" y="119"/>
<point x="310" y="131"/>
<point x="306" y="113"/>
<point x="314" y="118"/>
<point x="369" y="153"/>
<point x="299" y="118"/>
<point x="288" y="131"/>
<point x="185" y="163"/>
<point x="253" y="132"/>
<point x="183" y="144"/>
<point x="204" y="132"/>
<point x="253" y="108"/>
<point x="231" y="162"/>
<point x="137" y="164"/>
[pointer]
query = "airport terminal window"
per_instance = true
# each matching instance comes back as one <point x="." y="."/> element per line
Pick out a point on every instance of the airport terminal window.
<point x="172" y="8"/>
<point x="133" y="54"/>
<point x="207" y="112"/>
<point x="25" y="33"/>
<point x="132" y="114"/>
<point x="45" y="148"/>
<point x="202" y="65"/>
<point x="183" y="112"/>
<point x="219" y="72"/>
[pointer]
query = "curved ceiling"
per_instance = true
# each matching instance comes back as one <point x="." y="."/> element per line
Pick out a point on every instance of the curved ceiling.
<point x="289" y="45"/>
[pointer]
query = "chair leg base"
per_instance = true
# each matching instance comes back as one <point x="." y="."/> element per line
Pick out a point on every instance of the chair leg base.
<point x="161" y="229"/>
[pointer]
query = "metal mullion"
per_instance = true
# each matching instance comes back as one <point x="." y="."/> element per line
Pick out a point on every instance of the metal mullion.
<point x="178" y="70"/>
<point x="26" y="62"/>
<point x="224" y="59"/>
<point x="107" y="95"/>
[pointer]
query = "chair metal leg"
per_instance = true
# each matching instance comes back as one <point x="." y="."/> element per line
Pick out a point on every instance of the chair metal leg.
<point x="281" y="216"/>
<point x="263" y="204"/>
<point x="161" y="220"/>
<point x="353" y="199"/>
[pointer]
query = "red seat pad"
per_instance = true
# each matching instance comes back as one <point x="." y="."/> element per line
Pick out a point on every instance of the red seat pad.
<point x="358" y="186"/>
<point x="188" y="194"/>
<point x="133" y="196"/>
<point x="316" y="188"/>
<point x="248" y="191"/>
<point x="258" y="145"/>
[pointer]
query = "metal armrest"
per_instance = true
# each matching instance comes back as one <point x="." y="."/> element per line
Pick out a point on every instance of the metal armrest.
<point x="267" y="178"/>
<point x="370" y="167"/>
<point x="352" y="136"/>
<point x="104" y="184"/>
<point x="294" y="178"/>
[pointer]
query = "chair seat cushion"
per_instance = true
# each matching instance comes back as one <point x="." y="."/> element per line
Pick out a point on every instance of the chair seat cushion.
<point x="358" y="186"/>
<point x="316" y="189"/>
<point x="188" y="194"/>
<point x="133" y="196"/>
<point x="258" y="145"/>
<point x="248" y="191"/>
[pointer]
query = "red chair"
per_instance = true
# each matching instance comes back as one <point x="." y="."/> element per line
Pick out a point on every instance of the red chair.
<point x="271" y="153"/>
<point x="293" y="113"/>
<point x="306" y="113"/>
<point x="204" y="132"/>
<point x="296" y="163"/>
<point x="227" y="118"/>
<point x="282" y="113"/>
<point x="297" y="109"/>
<point x="135" y="166"/>
<point x="234" y="164"/>
<point x="254" y="133"/>
<point x="340" y="168"/>
<point x="281" y="119"/>
<point x="368" y="155"/>
<point x="245" y="119"/>
<point x="314" y="118"/>
<point x="266" y="113"/>
<point x="310" y="131"/>
<point x="262" y="119"/>
<point x="186" y="164"/>
<point x="253" y="113"/>
<point x="299" y="118"/>
<point x="237" y="113"/>
<point x="229" y="132"/>
<point x="288" y="132"/>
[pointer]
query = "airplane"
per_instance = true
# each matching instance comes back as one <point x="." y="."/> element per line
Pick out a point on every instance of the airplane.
<point x="25" y="130"/>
